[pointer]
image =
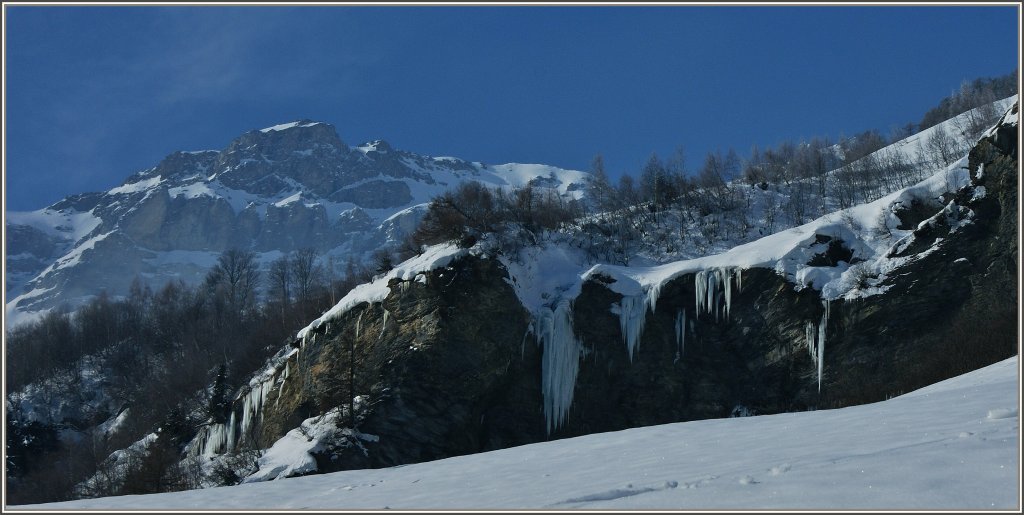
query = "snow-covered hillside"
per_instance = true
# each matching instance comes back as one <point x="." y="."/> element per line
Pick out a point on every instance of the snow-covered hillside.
<point x="954" y="445"/>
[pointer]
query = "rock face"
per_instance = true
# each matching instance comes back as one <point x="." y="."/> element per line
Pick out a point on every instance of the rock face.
<point x="273" y="190"/>
<point x="444" y="376"/>
<point x="445" y="364"/>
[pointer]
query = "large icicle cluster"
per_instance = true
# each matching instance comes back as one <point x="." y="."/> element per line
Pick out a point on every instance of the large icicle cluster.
<point x="816" y="340"/>
<point x="713" y="286"/>
<point x="223" y="438"/>
<point x="561" y="361"/>
<point x="252" y="405"/>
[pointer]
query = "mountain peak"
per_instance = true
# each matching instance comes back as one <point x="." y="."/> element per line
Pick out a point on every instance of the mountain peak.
<point x="377" y="145"/>
<point x="305" y="122"/>
<point x="287" y="137"/>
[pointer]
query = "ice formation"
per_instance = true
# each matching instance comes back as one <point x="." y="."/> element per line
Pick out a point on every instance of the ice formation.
<point x="810" y="333"/>
<point x="220" y="438"/>
<point x="252" y="405"/>
<point x="384" y="324"/>
<point x="632" y="316"/>
<point x="522" y="348"/>
<point x="713" y="286"/>
<point x="821" y="342"/>
<point x="284" y="379"/>
<point x="561" y="360"/>
<point x="680" y="333"/>
<point x="815" y="336"/>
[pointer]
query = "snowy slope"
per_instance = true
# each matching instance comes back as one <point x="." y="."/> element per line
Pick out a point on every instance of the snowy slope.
<point x="952" y="445"/>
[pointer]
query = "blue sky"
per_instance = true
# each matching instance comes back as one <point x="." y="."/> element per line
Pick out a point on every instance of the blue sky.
<point x="97" y="93"/>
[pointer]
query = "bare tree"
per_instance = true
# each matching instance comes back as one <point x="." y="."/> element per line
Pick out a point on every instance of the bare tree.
<point x="941" y="149"/>
<point x="280" y="278"/>
<point x="307" y="273"/>
<point x="235" y="276"/>
<point x="599" y="188"/>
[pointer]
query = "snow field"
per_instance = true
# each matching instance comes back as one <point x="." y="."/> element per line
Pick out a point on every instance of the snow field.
<point x="936" y="448"/>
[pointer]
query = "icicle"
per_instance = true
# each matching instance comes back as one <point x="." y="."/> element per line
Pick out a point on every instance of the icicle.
<point x="739" y="280"/>
<point x="231" y="431"/>
<point x="717" y="301"/>
<point x="359" y="323"/>
<point x="712" y="288"/>
<point x="653" y="294"/>
<point x="699" y="285"/>
<point x="821" y="341"/>
<point x="728" y="293"/>
<point x="284" y="381"/>
<point x="681" y="332"/>
<point x="384" y="325"/>
<point x="632" y="316"/>
<point x="522" y="347"/>
<point x="252" y="406"/>
<point x="810" y="330"/>
<point x="712" y="284"/>
<point x="560" y="363"/>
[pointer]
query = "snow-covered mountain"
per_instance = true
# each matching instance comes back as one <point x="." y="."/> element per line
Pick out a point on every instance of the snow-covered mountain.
<point x="950" y="446"/>
<point x="272" y="191"/>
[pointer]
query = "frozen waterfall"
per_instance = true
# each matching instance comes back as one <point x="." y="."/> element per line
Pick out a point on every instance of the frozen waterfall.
<point x="561" y="361"/>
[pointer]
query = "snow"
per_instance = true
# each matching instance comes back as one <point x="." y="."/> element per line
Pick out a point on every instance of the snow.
<point x="284" y="126"/>
<point x="293" y="454"/>
<point x="136" y="187"/>
<point x="73" y="257"/>
<point x="69" y="225"/>
<point x="540" y="274"/>
<point x="294" y="198"/>
<point x="1010" y="117"/>
<point x="788" y="251"/>
<point x="118" y="465"/>
<point x="113" y="424"/>
<point x="519" y="175"/>
<point x="194" y="190"/>
<point x="953" y="445"/>
<point x="433" y="257"/>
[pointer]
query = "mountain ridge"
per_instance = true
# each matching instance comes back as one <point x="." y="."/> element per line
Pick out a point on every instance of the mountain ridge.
<point x="271" y="190"/>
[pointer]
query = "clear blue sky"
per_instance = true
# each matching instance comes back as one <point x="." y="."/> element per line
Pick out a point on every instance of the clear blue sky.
<point x="97" y="93"/>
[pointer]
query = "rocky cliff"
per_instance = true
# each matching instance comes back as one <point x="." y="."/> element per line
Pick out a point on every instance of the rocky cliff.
<point x="448" y="361"/>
